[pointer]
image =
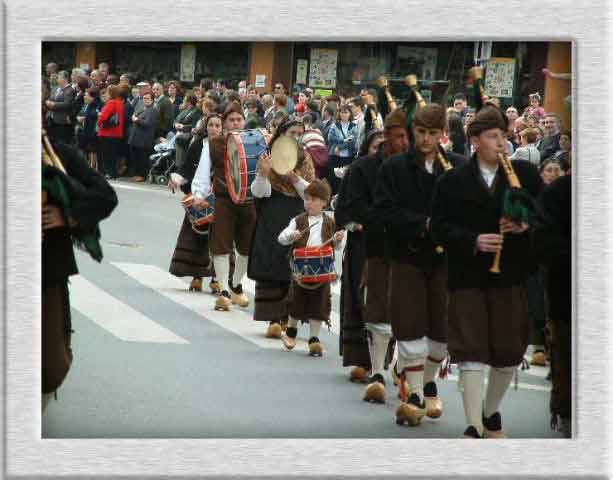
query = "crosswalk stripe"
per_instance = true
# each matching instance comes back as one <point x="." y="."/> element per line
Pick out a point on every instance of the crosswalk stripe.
<point x="121" y="320"/>
<point x="237" y="321"/>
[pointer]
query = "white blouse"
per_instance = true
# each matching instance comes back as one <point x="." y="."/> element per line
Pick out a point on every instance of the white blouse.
<point x="201" y="184"/>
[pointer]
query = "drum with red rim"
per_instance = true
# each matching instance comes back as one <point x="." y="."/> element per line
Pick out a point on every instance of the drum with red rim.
<point x="199" y="218"/>
<point x="313" y="265"/>
<point x="243" y="150"/>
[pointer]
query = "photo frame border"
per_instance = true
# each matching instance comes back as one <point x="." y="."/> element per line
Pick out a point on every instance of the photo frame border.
<point x="26" y="25"/>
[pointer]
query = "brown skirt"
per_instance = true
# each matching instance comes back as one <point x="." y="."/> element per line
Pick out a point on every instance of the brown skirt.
<point x="490" y="325"/>
<point x="191" y="256"/>
<point x="418" y="302"/>
<point x="56" y="333"/>
<point x="270" y="301"/>
<point x="305" y="304"/>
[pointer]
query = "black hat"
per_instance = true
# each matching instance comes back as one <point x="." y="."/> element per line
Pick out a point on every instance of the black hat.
<point x="487" y="118"/>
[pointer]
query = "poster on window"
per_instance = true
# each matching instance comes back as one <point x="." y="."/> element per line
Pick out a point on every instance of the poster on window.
<point x="499" y="77"/>
<point x="301" y="71"/>
<point x="188" y="63"/>
<point x="323" y="67"/>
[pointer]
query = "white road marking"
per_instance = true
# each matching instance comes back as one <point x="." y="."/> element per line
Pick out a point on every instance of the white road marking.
<point x="520" y="385"/>
<point x="237" y="321"/>
<point x="116" y="317"/>
<point x="150" y="189"/>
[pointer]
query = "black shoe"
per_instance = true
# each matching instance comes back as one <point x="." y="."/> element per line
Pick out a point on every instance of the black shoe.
<point x="430" y="390"/>
<point x="471" y="432"/>
<point x="377" y="377"/>
<point x="313" y="340"/>
<point x="414" y="400"/>
<point x="238" y="289"/>
<point x="225" y="293"/>
<point x="493" y="423"/>
<point x="291" y="332"/>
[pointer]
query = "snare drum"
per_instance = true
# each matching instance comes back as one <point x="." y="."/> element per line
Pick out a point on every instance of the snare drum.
<point x="199" y="218"/>
<point x="313" y="265"/>
<point x="243" y="150"/>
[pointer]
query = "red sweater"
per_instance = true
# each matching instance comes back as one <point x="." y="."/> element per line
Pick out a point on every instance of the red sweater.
<point x="115" y="105"/>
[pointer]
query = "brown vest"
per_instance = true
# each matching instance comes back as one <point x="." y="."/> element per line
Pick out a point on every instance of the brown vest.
<point x="217" y="147"/>
<point x="302" y="222"/>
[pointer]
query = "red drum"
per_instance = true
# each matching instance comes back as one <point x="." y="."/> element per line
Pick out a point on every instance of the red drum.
<point x="243" y="150"/>
<point x="199" y="218"/>
<point x="313" y="265"/>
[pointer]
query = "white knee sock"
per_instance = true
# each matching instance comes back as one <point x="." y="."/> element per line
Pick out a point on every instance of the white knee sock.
<point x="377" y="347"/>
<point x="222" y="269"/>
<point x="472" y="395"/>
<point x="240" y="269"/>
<point x="46" y="398"/>
<point x="292" y="322"/>
<point x="314" y="328"/>
<point x="430" y="369"/>
<point x="498" y="383"/>
<point x="379" y="336"/>
<point x="437" y="351"/>
<point x="415" y="378"/>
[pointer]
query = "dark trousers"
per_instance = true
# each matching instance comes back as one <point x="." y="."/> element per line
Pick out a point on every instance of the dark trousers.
<point x="535" y="288"/>
<point x="56" y="332"/>
<point x="108" y="152"/>
<point x="139" y="165"/>
<point x="62" y="133"/>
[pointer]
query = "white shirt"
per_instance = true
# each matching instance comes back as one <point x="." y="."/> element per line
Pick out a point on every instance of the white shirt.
<point x="429" y="165"/>
<point x="285" y="237"/>
<point x="261" y="187"/>
<point x="201" y="184"/>
<point x="529" y="153"/>
<point x="488" y="174"/>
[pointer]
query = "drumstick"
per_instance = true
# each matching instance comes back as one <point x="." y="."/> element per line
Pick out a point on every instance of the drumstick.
<point x="331" y="239"/>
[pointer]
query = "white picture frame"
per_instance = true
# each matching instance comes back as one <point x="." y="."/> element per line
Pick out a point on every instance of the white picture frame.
<point x="28" y="24"/>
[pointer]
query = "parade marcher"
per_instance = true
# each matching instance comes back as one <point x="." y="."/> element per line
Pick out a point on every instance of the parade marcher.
<point x="353" y="197"/>
<point x="75" y="199"/>
<point x="312" y="228"/>
<point x="553" y="239"/>
<point x="191" y="255"/>
<point x="488" y="320"/>
<point x="234" y="223"/>
<point x="417" y="269"/>
<point x="278" y="199"/>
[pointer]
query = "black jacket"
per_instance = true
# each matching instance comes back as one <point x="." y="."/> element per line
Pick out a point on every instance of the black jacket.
<point x="553" y="241"/>
<point x="359" y="201"/>
<point x="549" y="146"/>
<point x="192" y="158"/>
<point x="402" y="200"/>
<point x="463" y="208"/>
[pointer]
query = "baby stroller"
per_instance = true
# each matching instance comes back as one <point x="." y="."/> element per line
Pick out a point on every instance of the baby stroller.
<point x="162" y="161"/>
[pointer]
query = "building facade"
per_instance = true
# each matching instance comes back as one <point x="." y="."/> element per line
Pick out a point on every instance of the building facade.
<point x="514" y="68"/>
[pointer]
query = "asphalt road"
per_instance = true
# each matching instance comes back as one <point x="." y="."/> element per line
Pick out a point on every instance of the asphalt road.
<point x="155" y="361"/>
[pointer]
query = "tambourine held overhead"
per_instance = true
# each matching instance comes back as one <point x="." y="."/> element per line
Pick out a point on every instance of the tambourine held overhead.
<point x="284" y="155"/>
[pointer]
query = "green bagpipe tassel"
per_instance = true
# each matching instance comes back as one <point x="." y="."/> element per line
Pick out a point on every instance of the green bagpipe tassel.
<point x="410" y="109"/>
<point x="57" y="186"/>
<point x="519" y="206"/>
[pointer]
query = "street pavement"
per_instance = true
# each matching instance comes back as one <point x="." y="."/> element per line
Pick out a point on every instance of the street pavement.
<point x="153" y="360"/>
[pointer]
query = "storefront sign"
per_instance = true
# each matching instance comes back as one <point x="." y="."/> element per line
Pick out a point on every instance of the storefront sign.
<point x="260" y="81"/>
<point x="301" y="71"/>
<point x="499" y="77"/>
<point x="323" y="67"/>
<point x="188" y="63"/>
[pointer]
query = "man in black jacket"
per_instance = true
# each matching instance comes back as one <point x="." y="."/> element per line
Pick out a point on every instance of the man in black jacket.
<point x="418" y="273"/>
<point x="488" y="320"/>
<point x="60" y="109"/>
<point x="360" y="204"/>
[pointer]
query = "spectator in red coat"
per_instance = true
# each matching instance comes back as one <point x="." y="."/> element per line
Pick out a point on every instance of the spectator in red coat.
<point x="111" y="123"/>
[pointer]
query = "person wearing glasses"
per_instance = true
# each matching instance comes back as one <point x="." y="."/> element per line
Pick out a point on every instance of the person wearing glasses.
<point x="280" y="89"/>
